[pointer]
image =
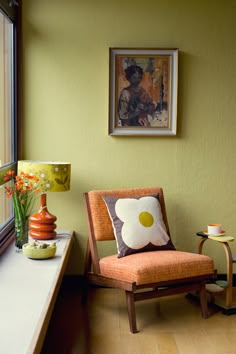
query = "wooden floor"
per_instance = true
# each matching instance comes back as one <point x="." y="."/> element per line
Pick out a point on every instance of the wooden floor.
<point x="171" y="325"/>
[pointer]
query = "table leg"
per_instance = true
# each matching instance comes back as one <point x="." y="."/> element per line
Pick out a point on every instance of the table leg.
<point x="229" y="265"/>
<point x="229" y="262"/>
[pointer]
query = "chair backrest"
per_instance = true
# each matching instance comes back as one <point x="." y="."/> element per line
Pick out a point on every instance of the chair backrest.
<point x="101" y="228"/>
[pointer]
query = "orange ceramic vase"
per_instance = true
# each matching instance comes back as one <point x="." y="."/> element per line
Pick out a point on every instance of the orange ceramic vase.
<point x="42" y="224"/>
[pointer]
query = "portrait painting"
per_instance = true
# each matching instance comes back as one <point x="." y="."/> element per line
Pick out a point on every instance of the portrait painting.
<point x="143" y="91"/>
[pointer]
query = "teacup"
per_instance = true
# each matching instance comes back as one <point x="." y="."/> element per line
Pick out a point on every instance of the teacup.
<point x="214" y="229"/>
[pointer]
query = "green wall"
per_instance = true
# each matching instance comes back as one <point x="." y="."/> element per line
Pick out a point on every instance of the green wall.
<point x="64" y="83"/>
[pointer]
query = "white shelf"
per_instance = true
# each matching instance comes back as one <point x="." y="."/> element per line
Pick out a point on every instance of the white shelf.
<point x="28" y="290"/>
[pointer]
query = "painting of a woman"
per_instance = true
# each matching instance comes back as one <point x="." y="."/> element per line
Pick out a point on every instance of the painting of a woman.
<point x="143" y="91"/>
<point x="134" y="103"/>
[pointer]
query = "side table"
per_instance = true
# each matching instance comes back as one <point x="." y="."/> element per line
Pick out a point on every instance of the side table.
<point x="223" y="295"/>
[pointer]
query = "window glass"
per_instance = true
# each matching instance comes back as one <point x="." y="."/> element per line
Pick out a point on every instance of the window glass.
<point x="6" y="210"/>
<point x="8" y="142"/>
<point x="6" y="82"/>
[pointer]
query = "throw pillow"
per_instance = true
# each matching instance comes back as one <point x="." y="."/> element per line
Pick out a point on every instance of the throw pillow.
<point x="138" y="224"/>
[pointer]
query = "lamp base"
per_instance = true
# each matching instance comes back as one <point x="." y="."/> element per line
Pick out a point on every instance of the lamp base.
<point x="42" y="224"/>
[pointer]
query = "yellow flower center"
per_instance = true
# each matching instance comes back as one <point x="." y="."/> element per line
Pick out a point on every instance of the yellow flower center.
<point x="146" y="219"/>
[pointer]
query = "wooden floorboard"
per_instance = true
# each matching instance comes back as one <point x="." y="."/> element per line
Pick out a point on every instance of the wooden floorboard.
<point x="171" y="325"/>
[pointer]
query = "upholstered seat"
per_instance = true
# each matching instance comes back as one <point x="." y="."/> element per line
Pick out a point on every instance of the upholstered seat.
<point x="150" y="267"/>
<point x="156" y="268"/>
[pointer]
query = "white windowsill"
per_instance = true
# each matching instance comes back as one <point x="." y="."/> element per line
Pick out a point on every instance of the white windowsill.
<point x="28" y="290"/>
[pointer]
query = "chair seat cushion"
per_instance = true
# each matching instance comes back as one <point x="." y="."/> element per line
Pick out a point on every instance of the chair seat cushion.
<point x="156" y="266"/>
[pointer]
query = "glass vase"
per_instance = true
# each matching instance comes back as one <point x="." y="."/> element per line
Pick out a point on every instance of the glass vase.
<point x="21" y="234"/>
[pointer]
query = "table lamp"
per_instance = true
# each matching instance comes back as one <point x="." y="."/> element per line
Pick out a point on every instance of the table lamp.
<point x="53" y="177"/>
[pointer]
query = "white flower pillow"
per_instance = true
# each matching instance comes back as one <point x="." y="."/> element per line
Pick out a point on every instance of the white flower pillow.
<point x="138" y="224"/>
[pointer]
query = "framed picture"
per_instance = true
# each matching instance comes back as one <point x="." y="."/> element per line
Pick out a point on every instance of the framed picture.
<point x="143" y="87"/>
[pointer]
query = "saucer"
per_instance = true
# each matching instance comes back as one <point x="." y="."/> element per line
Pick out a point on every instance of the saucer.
<point x="221" y="234"/>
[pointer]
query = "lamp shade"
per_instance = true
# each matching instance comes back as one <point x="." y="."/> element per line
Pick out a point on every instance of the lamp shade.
<point x="53" y="176"/>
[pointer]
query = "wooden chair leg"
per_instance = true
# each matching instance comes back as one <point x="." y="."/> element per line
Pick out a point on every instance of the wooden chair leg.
<point x="131" y="311"/>
<point x="203" y="301"/>
<point x="88" y="264"/>
<point x="85" y="291"/>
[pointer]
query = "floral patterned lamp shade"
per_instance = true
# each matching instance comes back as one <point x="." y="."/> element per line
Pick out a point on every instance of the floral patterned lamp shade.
<point x="53" y="177"/>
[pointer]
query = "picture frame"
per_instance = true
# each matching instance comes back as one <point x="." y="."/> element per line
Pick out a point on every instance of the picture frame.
<point x="143" y="86"/>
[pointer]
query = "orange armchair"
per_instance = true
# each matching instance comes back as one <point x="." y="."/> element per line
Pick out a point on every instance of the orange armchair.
<point x="146" y="274"/>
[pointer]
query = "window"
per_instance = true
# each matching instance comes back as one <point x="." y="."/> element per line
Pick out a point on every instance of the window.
<point x="8" y="112"/>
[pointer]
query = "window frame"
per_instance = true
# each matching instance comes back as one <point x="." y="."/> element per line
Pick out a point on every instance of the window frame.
<point x="10" y="8"/>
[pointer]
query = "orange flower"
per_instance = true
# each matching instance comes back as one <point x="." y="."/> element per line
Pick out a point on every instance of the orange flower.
<point x="11" y="173"/>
